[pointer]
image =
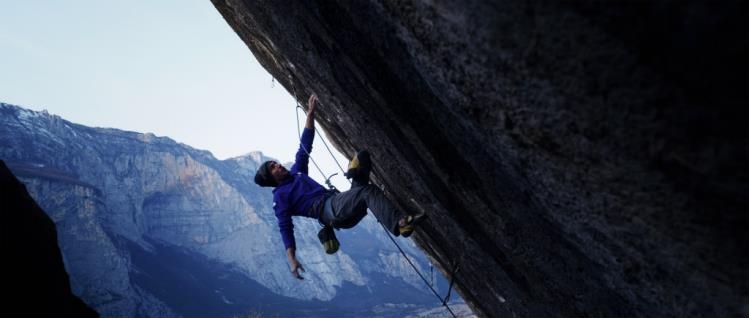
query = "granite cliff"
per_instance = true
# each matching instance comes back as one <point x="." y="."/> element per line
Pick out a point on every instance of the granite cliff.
<point x="577" y="158"/>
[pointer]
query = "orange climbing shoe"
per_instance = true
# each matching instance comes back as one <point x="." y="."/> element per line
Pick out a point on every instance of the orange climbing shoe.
<point x="410" y="224"/>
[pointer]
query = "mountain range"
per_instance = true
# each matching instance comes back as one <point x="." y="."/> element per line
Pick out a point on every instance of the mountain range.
<point x="151" y="227"/>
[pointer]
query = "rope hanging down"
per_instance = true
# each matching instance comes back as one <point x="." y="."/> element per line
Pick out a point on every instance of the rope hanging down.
<point x="327" y="181"/>
<point x="443" y="300"/>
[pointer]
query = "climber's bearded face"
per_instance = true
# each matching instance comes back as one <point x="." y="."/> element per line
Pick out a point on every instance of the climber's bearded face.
<point x="278" y="172"/>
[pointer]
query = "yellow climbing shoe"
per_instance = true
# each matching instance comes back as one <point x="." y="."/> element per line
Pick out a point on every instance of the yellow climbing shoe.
<point x="359" y="168"/>
<point x="329" y="241"/>
<point x="410" y="224"/>
<point x="354" y="163"/>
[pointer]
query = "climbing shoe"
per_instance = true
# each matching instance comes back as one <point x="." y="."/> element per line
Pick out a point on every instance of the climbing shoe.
<point x="329" y="241"/>
<point x="359" y="168"/>
<point x="410" y="224"/>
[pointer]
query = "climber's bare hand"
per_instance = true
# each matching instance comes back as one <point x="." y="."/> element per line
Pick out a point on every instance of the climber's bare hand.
<point x="312" y="103"/>
<point x="295" y="269"/>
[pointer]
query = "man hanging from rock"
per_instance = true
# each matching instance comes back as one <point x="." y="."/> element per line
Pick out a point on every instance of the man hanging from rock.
<point x="296" y="194"/>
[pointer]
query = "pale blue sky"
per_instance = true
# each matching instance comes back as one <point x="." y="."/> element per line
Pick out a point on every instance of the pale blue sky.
<point x="171" y="67"/>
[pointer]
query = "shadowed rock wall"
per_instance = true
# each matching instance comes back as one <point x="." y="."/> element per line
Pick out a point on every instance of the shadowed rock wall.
<point x="35" y="283"/>
<point x="578" y="159"/>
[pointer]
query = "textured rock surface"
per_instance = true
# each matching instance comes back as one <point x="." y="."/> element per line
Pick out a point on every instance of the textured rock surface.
<point x="577" y="159"/>
<point x="35" y="282"/>
<point x="114" y="193"/>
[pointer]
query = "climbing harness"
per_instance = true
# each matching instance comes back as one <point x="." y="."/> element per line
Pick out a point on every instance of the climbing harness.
<point x="444" y="300"/>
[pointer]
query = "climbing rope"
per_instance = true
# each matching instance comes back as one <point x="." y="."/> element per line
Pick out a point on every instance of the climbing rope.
<point x="436" y="294"/>
<point x="309" y="155"/>
<point x="327" y="179"/>
<point x="403" y="253"/>
<point x="299" y="132"/>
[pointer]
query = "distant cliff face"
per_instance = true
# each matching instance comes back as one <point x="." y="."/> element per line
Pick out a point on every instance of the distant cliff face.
<point x="577" y="159"/>
<point x="130" y="207"/>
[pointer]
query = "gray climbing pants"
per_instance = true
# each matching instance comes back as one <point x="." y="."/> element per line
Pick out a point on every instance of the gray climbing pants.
<point x="344" y="210"/>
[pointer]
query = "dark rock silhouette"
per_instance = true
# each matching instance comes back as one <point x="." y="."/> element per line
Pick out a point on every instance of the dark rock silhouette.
<point x="35" y="283"/>
<point x="577" y="159"/>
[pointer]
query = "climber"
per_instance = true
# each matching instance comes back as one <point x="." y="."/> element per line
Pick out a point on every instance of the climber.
<point x="296" y="194"/>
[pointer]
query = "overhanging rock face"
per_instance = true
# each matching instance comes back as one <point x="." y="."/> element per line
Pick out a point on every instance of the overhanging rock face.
<point x="576" y="159"/>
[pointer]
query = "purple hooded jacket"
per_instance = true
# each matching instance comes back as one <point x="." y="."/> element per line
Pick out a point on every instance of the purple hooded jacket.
<point x="296" y="195"/>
